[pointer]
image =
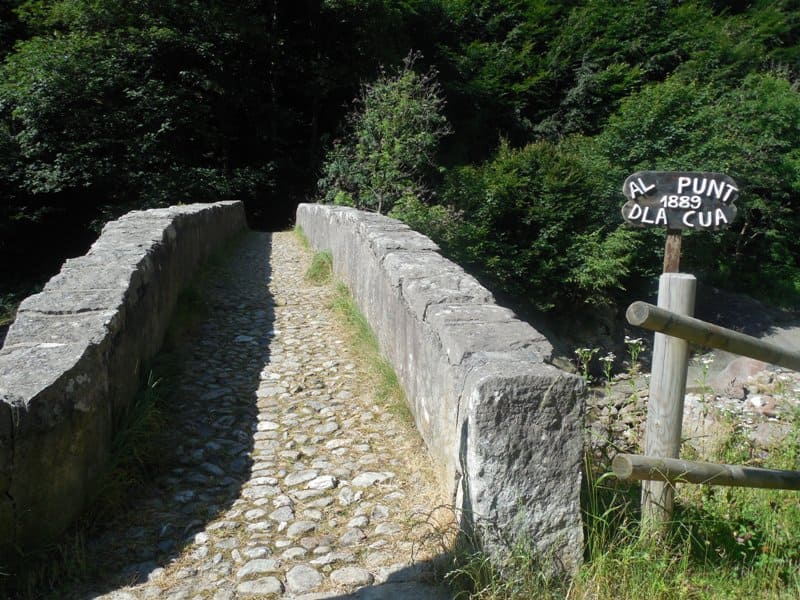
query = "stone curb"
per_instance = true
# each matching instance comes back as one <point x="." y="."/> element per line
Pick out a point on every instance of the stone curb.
<point x="503" y="427"/>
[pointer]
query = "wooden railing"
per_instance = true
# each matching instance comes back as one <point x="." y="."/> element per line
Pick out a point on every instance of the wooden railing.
<point x="660" y="467"/>
<point x="707" y="335"/>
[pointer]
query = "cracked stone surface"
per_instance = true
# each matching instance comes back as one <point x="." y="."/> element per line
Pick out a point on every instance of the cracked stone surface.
<point x="287" y="478"/>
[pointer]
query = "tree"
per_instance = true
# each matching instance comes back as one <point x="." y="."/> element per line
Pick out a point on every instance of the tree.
<point x="392" y="139"/>
<point x="533" y="222"/>
<point x="112" y="108"/>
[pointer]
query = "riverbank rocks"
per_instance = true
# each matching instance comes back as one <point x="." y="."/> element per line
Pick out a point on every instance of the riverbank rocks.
<point x="741" y="395"/>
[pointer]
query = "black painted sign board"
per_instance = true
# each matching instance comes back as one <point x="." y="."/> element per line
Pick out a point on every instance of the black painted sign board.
<point x="677" y="200"/>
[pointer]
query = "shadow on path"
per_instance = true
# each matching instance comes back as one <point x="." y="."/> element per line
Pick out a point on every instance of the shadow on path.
<point x="404" y="584"/>
<point x="210" y="425"/>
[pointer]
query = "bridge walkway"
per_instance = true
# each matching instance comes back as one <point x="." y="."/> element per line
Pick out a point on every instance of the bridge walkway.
<point x="288" y="479"/>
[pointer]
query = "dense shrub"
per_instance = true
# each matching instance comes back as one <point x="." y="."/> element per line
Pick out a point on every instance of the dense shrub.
<point x="391" y="142"/>
<point x="531" y="220"/>
<point x="750" y="131"/>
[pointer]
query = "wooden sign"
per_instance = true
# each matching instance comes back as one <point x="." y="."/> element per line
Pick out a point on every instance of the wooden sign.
<point x="676" y="200"/>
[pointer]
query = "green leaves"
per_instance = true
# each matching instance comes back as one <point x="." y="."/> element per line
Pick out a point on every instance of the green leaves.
<point x="750" y="131"/>
<point x="532" y="220"/>
<point x="393" y="135"/>
<point x="107" y="106"/>
<point x="135" y="107"/>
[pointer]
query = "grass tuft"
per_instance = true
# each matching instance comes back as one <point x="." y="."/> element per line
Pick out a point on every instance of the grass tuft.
<point x="137" y="449"/>
<point x="301" y="235"/>
<point x="520" y="575"/>
<point x="321" y="270"/>
<point x="387" y="391"/>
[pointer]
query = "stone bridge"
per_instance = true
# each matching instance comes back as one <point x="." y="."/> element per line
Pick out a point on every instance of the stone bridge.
<point x="288" y="478"/>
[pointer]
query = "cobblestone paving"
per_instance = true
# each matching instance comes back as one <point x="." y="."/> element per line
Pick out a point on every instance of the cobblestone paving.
<point x="290" y="480"/>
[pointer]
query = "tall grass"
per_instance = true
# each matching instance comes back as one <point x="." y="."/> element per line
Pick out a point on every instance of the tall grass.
<point x="321" y="270"/>
<point x="724" y="542"/>
<point x="301" y="236"/>
<point x="387" y="387"/>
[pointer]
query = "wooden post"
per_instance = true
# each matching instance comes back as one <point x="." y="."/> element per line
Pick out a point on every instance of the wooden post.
<point x="672" y="251"/>
<point x="676" y="293"/>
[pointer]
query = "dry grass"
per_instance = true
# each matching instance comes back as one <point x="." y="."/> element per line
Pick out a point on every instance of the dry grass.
<point x="428" y="516"/>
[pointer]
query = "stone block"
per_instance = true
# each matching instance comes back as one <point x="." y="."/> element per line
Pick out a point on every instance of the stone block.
<point x="70" y="364"/>
<point x="504" y="428"/>
<point x="521" y="456"/>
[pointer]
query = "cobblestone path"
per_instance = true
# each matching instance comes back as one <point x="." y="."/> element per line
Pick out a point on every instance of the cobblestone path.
<point x="290" y="481"/>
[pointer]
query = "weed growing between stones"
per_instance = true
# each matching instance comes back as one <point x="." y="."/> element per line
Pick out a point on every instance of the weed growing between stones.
<point x="702" y="380"/>
<point x="321" y="269"/>
<point x="387" y="390"/>
<point x="520" y="575"/>
<point x="301" y="236"/>
<point x="136" y="452"/>
<point x="608" y="364"/>
<point x="635" y="347"/>
<point x="37" y="576"/>
<point x="584" y="358"/>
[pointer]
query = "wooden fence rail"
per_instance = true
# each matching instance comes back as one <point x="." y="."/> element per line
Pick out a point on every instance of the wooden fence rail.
<point x="661" y="467"/>
<point x="707" y="335"/>
<point x="674" y="470"/>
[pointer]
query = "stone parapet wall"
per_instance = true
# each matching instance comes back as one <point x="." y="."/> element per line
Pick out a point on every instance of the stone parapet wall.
<point x="504" y="427"/>
<point x="73" y="359"/>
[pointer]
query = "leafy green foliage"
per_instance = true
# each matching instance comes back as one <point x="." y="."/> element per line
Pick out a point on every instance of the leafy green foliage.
<point x="108" y="106"/>
<point x="393" y="138"/>
<point x="132" y="108"/>
<point x="653" y="86"/>
<point x="531" y="221"/>
<point x="751" y="131"/>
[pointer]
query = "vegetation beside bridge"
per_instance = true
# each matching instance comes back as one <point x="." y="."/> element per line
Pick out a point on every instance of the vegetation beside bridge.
<point x="547" y="106"/>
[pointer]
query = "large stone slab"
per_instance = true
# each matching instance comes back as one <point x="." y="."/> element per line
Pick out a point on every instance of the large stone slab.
<point x="503" y="426"/>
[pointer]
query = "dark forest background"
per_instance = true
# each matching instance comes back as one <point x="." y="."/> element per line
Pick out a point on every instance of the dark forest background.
<point x="502" y="128"/>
